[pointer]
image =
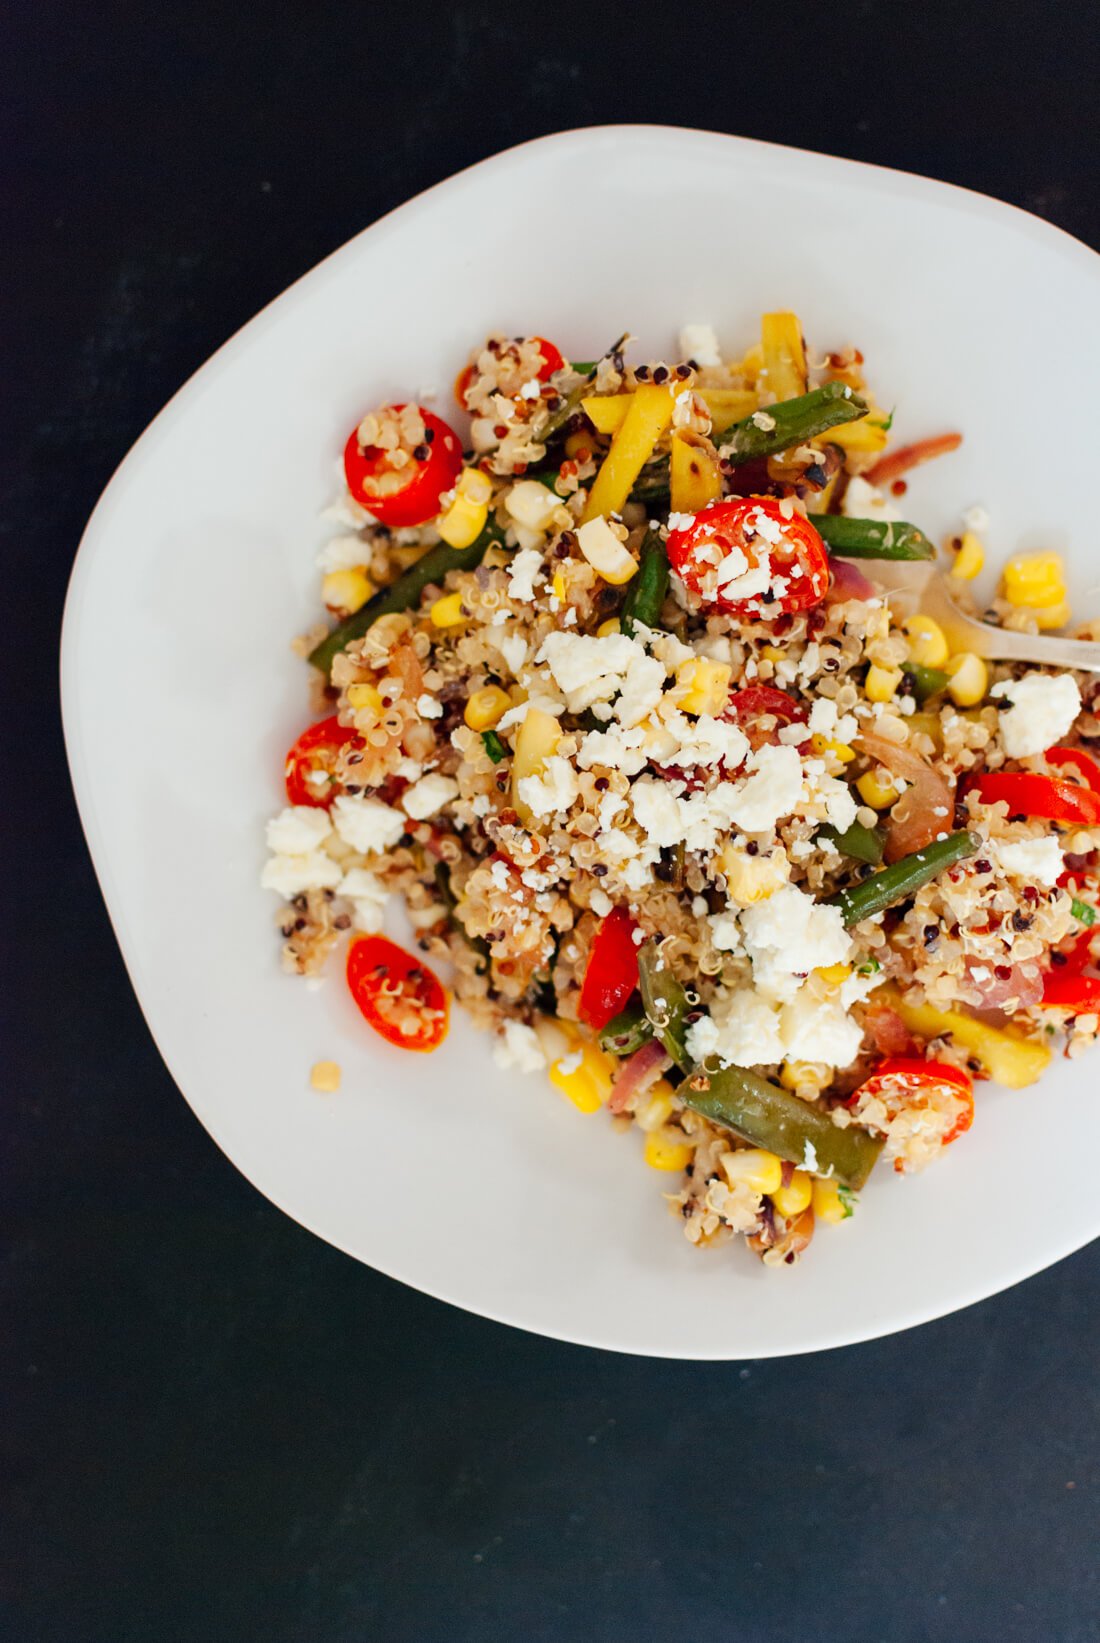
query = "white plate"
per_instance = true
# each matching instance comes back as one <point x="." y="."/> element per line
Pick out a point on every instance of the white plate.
<point x="180" y="697"/>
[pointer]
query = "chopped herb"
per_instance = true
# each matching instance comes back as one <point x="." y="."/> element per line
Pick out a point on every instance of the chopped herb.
<point x="1082" y="911"/>
<point x="871" y="968"/>
<point x="848" y="1199"/>
<point x="493" y="745"/>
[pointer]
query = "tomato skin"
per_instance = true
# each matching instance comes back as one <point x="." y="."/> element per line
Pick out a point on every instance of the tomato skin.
<point x="611" y="974"/>
<point x="391" y="986"/>
<point x="799" y="556"/>
<point x="417" y="500"/>
<point x="905" y="1075"/>
<point x="315" y="749"/>
<point x="552" y="359"/>
<point x="746" y="706"/>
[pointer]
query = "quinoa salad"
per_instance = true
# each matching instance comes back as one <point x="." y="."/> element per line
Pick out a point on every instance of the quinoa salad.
<point x="709" y="829"/>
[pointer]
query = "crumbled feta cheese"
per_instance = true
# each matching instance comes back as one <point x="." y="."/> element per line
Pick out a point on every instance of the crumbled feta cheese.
<point x="409" y="769"/>
<point x="429" y="795"/>
<point x="820" y="1030"/>
<point x="836" y="796"/>
<point x="772" y="789"/>
<point x="1042" y="711"/>
<point x="790" y="934"/>
<point x="863" y="501"/>
<point x="517" y="1048"/>
<point x="531" y="389"/>
<point x="747" y="1031"/>
<point x="809" y="1158"/>
<point x="657" y="811"/>
<point x="613" y="749"/>
<point x="725" y="932"/>
<point x="297" y="830"/>
<point x="588" y="669"/>
<point x="551" y="791"/>
<point x="975" y="519"/>
<point x="367" y="825"/>
<point x="642" y="687"/>
<point x="826" y="721"/>
<point x="699" y="342"/>
<point x="292" y="875"/>
<point x="428" y="707"/>
<point x="514" y="650"/>
<point x="342" y="553"/>
<point x="1037" y="860"/>
<point x="368" y="895"/>
<point x="701" y="1038"/>
<point x="793" y="735"/>
<point x="608" y="808"/>
<point x="763" y="421"/>
<point x="524" y="568"/>
<point x="704" y="741"/>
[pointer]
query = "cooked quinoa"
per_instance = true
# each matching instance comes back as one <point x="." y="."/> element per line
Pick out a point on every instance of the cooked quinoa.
<point x="567" y="761"/>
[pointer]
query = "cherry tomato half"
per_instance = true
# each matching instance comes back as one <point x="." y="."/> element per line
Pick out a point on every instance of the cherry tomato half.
<point x="728" y="541"/>
<point x="904" y="1076"/>
<point x="311" y="763"/>
<point x="611" y="973"/>
<point x="407" y="495"/>
<point x="552" y="360"/>
<point x="747" y="707"/>
<point x="397" y="994"/>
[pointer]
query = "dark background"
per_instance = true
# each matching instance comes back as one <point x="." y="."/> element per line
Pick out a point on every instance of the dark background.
<point x="215" y="1427"/>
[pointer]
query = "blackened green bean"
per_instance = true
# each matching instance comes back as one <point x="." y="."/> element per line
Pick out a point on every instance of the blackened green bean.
<point x="647" y="590"/>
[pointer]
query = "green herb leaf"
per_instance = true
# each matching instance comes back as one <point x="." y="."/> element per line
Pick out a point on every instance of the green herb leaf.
<point x="848" y="1199"/>
<point x="1083" y="912"/>
<point x="871" y="968"/>
<point x="493" y="745"/>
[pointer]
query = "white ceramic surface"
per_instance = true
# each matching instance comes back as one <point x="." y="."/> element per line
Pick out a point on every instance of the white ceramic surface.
<point x="180" y="696"/>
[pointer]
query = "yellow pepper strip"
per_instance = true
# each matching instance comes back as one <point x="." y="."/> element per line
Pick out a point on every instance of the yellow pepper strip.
<point x="694" y="477"/>
<point x="784" y="354"/>
<point x="728" y="405"/>
<point x="649" y="415"/>
<point x="606" y="411"/>
<point x="538" y="736"/>
<point x="866" y="434"/>
<point x="1007" y="1057"/>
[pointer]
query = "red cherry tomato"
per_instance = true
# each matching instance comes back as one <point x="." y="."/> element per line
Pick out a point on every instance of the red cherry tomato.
<point x="398" y="996"/>
<point x="747" y="707"/>
<point x="611" y="974"/>
<point x="905" y="1076"/>
<point x="407" y="495"/>
<point x="552" y="359"/>
<point x="1027" y="794"/>
<point x="757" y="530"/>
<point x="311" y="763"/>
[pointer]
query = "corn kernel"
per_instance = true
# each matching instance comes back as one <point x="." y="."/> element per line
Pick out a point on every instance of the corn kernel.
<point x="795" y="1196"/>
<point x="532" y="504"/>
<point x="927" y="641"/>
<point x="829" y="1203"/>
<point x="557" y="586"/>
<point x="833" y="974"/>
<point x="772" y="653"/>
<point x="804" y="1075"/>
<point x="583" y="1077"/>
<point x="877" y="791"/>
<point x="447" y="611"/>
<point x="656" y="1106"/>
<point x="579" y="445"/>
<point x="605" y="553"/>
<point x="1035" y="579"/>
<point x="759" y="1170"/>
<point x="361" y="695"/>
<point x="968" y="679"/>
<point x="839" y="750"/>
<point x="881" y="682"/>
<point x="485" y="708"/>
<point x="1052" y="616"/>
<point x="752" y="878"/>
<point x="707" y="685"/>
<point x="970" y="558"/>
<point x="666" y="1149"/>
<point x="464" y="521"/>
<point x="324" y="1077"/>
<point x="346" y="590"/>
<point x="608" y="627"/>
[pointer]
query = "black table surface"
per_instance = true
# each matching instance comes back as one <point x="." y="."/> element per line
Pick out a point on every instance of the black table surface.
<point x="215" y="1426"/>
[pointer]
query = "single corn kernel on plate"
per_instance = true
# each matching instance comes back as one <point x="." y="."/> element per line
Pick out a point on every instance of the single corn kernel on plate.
<point x="531" y="1210"/>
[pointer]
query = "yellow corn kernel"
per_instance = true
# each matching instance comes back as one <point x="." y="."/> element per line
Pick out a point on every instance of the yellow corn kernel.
<point x="569" y="1075"/>
<point x="1035" y="579"/>
<point x="752" y="878"/>
<point x="927" y="641"/>
<point x="968" y="679"/>
<point x="447" y="611"/>
<point x="772" y="652"/>
<point x="539" y="734"/>
<point x="346" y="590"/>
<point x="608" y="557"/>
<point x="706" y="684"/>
<point x="694" y="478"/>
<point x="1052" y="616"/>
<point x="829" y="1204"/>
<point x="325" y="1077"/>
<point x="784" y="354"/>
<point x="464" y="520"/>
<point x="576" y="443"/>
<point x="804" y="1075"/>
<point x="608" y="627"/>
<point x="557" y="586"/>
<point x="970" y="558"/>
<point x="795" y="1196"/>
<point x="487" y="707"/>
<point x="656" y="1106"/>
<point x="839" y="750"/>
<point x="879" y="793"/>
<point x="647" y="417"/>
<point x="362" y="695"/>
<point x="753" y="1167"/>
<point x="881" y="682"/>
<point x="833" y="974"/>
<point x="666" y="1149"/>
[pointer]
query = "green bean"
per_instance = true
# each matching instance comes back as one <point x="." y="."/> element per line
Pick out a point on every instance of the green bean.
<point x="770" y="1117"/>
<point x="554" y="421"/>
<point x="859" y="842"/>
<point x="646" y="593"/>
<point x="404" y="593"/>
<point x="666" y="1003"/>
<point x="925" y="681"/>
<point x="871" y="538"/>
<point x="629" y="1030"/>
<point x="904" y="877"/>
<point x="791" y="422"/>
